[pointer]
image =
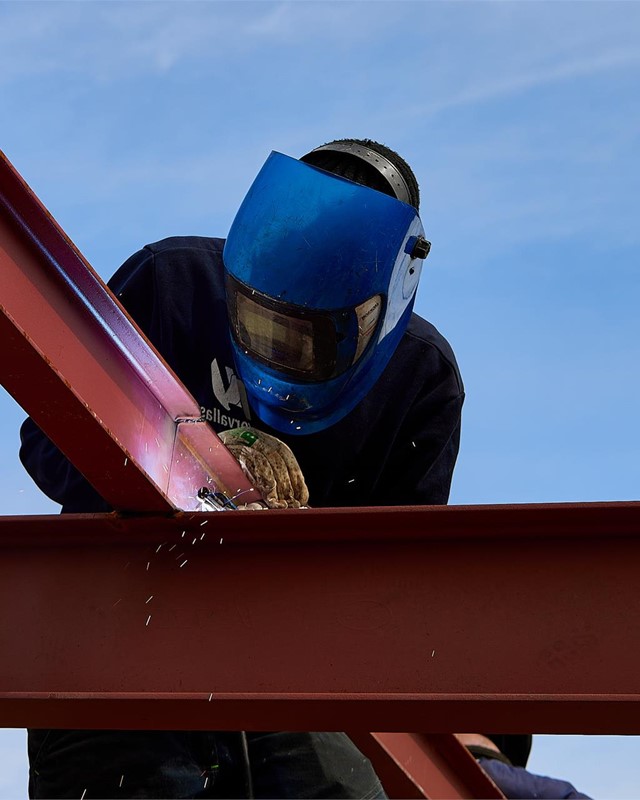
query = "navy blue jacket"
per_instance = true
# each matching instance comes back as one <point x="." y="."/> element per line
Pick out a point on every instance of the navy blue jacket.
<point x="517" y="783"/>
<point x="397" y="447"/>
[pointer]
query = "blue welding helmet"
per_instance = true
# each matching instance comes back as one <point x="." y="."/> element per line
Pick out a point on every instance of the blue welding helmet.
<point x="321" y="276"/>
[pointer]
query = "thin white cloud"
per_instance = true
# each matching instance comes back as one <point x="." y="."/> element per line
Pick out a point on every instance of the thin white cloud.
<point x="516" y="84"/>
<point x="511" y="43"/>
<point x="276" y="22"/>
<point x="110" y="40"/>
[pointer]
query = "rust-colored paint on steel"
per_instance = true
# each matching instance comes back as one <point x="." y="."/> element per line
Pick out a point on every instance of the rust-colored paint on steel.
<point x="81" y="368"/>
<point x="417" y="765"/>
<point x="443" y="619"/>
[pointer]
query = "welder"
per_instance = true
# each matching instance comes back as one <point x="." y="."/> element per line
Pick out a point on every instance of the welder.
<point x="297" y="337"/>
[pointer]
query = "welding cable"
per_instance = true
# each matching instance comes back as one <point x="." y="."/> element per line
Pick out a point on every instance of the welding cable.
<point x="246" y="764"/>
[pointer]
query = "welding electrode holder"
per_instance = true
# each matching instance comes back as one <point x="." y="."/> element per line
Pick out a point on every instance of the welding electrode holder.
<point x="216" y="501"/>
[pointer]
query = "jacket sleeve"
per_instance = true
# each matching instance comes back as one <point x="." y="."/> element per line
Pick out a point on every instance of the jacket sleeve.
<point x="425" y="450"/>
<point x="52" y="472"/>
<point x="517" y="783"/>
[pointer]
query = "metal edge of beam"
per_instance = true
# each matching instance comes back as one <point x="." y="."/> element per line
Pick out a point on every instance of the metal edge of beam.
<point x="438" y="714"/>
<point x="497" y="521"/>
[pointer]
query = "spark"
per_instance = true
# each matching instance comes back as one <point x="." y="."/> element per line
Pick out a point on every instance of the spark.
<point x="211" y="697"/>
<point x="195" y="540"/>
<point x="165" y="468"/>
<point x="433" y="652"/>
<point x="149" y="599"/>
<point x="83" y="794"/>
<point x="146" y="447"/>
<point x="183" y="533"/>
<point x="183" y="563"/>
<point x="204" y="523"/>
<point x="203" y="535"/>
<point x="116" y="603"/>
<point x="241" y="492"/>
<point x="413" y="443"/>
<point x="156" y="440"/>
<point x="298" y="427"/>
<point x="148" y="565"/>
<point x="126" y="461"/>
<point x="206" y="781"/>
<point x="121" y="779"/>
<point x="179" y="557"/>
<point x="352" y="480"/>
<point x="159" y="546"/>
<point x="172" y="547"/>
<point x="221" y="539"/>
<point x="148" y="620"/>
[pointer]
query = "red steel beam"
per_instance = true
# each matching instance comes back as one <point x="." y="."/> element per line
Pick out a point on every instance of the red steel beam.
<point x="82" y="369"/>
<point x="495" y="618"/>
<point x="417" y="765"/>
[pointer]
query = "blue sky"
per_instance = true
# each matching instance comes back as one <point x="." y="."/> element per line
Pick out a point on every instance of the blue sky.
<point x="134" y="121"/>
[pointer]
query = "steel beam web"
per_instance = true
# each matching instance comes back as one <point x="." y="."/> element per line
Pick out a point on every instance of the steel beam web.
<point x="437" y="620"/>
<point x="417" y="765"/>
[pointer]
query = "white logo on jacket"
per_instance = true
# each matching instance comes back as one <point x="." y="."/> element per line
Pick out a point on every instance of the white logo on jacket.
<point x="228" y="392"/>
<point x="228" y="395"/>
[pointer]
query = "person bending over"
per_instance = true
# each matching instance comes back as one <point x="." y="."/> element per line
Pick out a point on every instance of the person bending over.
<point x="300" y="327"/>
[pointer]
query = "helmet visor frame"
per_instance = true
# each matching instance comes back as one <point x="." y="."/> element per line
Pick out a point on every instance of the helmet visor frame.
<point x="307" y="345"/>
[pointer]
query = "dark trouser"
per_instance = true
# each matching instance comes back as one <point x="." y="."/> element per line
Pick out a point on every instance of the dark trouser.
<point x="162" y="764"/>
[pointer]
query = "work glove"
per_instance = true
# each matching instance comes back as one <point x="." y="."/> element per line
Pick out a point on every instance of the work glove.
<point x="270" y="466"/>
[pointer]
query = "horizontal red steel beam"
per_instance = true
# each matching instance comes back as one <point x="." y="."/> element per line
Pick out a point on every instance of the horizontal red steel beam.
<point x="417" y="765"/>
<point x="507" y="619"/>
<point x="74" y="360"/>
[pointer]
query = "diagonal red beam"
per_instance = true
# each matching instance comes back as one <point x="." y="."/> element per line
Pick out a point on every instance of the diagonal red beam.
<point x="417" y="765"/>
<point x="82" y="369"/>
<point x="507" y="619"/>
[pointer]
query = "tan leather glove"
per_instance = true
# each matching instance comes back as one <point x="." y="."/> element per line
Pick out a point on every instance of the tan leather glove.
<point x="270" y="465"/>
